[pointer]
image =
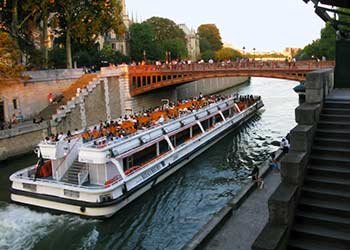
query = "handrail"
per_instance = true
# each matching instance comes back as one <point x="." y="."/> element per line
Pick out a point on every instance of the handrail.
<point x="65" y="158"/>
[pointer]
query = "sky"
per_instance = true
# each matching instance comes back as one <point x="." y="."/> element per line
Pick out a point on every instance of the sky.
<point x="262" y="24"/>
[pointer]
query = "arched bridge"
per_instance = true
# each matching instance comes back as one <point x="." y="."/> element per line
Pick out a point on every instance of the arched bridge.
<point x="145" y="78"/>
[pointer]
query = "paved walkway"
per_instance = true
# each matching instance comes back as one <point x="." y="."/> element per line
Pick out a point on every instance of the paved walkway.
<point x="242" y="228"/>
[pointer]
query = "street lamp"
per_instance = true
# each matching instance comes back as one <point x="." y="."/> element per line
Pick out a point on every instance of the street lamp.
<point x="254" y="53"/>
<point x="243" y="50"/>
<point x="144" y="56"/>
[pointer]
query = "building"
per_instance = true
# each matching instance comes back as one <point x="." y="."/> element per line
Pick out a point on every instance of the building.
<point x="118" y="43"/>
<point x="192" y="42"/>
<point x="290" y="52"/>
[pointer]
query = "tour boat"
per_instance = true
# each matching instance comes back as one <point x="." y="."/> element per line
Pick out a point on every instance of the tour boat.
<point x="97" y="178"/>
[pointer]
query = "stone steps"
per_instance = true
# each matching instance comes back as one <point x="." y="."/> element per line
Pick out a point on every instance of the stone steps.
<point x="335" y="118"/>
<point x="334" y="125"/>
<point x="322" y="219"/>
<point x="331" y="142"/>
<point x="305" y="243"/>
<point x="337" y="104"/>
<point x="342" y="152"/>
<point x="333" y="133"/>
<point x="336" y="111"/>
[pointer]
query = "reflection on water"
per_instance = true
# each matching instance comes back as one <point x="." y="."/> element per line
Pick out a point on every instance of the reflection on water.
<point x="171" y="213"/>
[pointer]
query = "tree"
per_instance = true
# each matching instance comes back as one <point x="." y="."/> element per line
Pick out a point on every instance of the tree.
<point x="206" y="55"/>
<point x="209" y="37"/>
<point x="168" y="37"/>
<point x="226" y="54"/>
<point x="324" y="46"/>
<point x="9" y="57"/>
<point x="165" y="29"/>
<point x="84" y="21"/>
<point x="142" y="39"/>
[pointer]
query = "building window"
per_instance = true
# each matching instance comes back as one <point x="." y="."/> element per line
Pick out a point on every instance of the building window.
<point x="113" y="46"/>
<point x="15" y="104"/>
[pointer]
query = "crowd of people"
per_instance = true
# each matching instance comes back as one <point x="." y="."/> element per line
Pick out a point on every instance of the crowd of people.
<point x="129" y="124"/>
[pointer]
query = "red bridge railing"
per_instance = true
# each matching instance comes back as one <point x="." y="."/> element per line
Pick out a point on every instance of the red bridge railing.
<point x="145" y="78"/>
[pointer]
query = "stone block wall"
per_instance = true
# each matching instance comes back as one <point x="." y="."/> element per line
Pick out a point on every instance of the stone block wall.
<point x="20" y="142"/>
<point x="32" y="95"/>
<point x="95" y="106"/>
<point x="283" y="202"/>
<point x="208" y="86"/>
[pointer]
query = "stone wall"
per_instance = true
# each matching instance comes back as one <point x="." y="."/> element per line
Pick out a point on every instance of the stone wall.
<point x="32" y="96"/>
<point x="19" y="142"/>
<point x="283" y="202"/>
<point x="208" y="86"/>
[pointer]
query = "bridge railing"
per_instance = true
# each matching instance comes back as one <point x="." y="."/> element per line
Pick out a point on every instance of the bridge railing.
<point x="241" y="65"/>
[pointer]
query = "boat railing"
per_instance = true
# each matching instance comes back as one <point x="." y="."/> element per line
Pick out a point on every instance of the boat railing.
<point x="111" y="144"/>
<point x="83" y="176"/>
<point x="33" y="180"/>
<point x="68" y="160"/>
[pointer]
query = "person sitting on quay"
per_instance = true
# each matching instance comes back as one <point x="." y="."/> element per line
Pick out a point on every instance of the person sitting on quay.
<point x="273" y="163"/>
<point x="284" y="145"/>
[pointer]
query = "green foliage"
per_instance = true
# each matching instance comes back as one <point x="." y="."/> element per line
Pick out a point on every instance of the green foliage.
<point x="176" y="47"/>
<point x="142" y="39"/>
<point x="165" y="29"/>
<point x="209" y="37"/>
<point x="226" y="54"/>
<point x="155" y="37"/>
<point x="9" y="57"/>
<point x="107" y="54"/>
<point x="206" y="55"/>
<point x="168" y="37"/>
<point x="57" y="58"/>
<point x="325" y="46"/>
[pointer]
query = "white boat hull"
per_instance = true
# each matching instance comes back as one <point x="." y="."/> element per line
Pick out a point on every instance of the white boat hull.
<point x="105" y="210"/>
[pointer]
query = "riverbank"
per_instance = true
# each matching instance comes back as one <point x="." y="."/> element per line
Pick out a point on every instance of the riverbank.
<point x="240" y="220"/>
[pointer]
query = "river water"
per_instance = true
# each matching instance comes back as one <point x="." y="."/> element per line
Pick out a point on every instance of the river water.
<point x="169" y="215"/>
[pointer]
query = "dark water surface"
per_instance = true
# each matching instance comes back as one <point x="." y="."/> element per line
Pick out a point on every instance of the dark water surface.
<point x="170" y="214"/>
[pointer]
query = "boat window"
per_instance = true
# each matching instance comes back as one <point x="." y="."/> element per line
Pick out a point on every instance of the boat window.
<point x="182" y="136"/>
<point x="128" y="162"/>
<point x="205" y="124"/>
<point x="218" y="118"/>
<point x="226" y="113"/>
<point x="196" y="130"/>
<point x="141" y="158"/>
<point x="163" y="147"/>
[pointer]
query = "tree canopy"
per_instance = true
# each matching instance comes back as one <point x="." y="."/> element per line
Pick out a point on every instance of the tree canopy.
<point x="142" y="38"/>
<point x="168" y="38"/>
<point x="325" y="45"/>
<point x="209" y="37"/>
<point x="73" y="22"/>
<point x="9" y="57"/>
<point x="227" y="54"/>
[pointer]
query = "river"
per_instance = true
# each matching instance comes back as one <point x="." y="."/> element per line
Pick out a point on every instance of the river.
<point x="169" y="215"/>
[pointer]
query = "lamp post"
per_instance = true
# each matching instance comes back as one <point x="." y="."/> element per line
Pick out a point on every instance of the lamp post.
<point x="243" y="51"/>
<point x="254" y="56"/>
<point x="144" y="56"/>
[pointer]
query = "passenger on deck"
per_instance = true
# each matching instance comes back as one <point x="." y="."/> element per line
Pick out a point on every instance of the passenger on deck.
<point x="161" y="120"/>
